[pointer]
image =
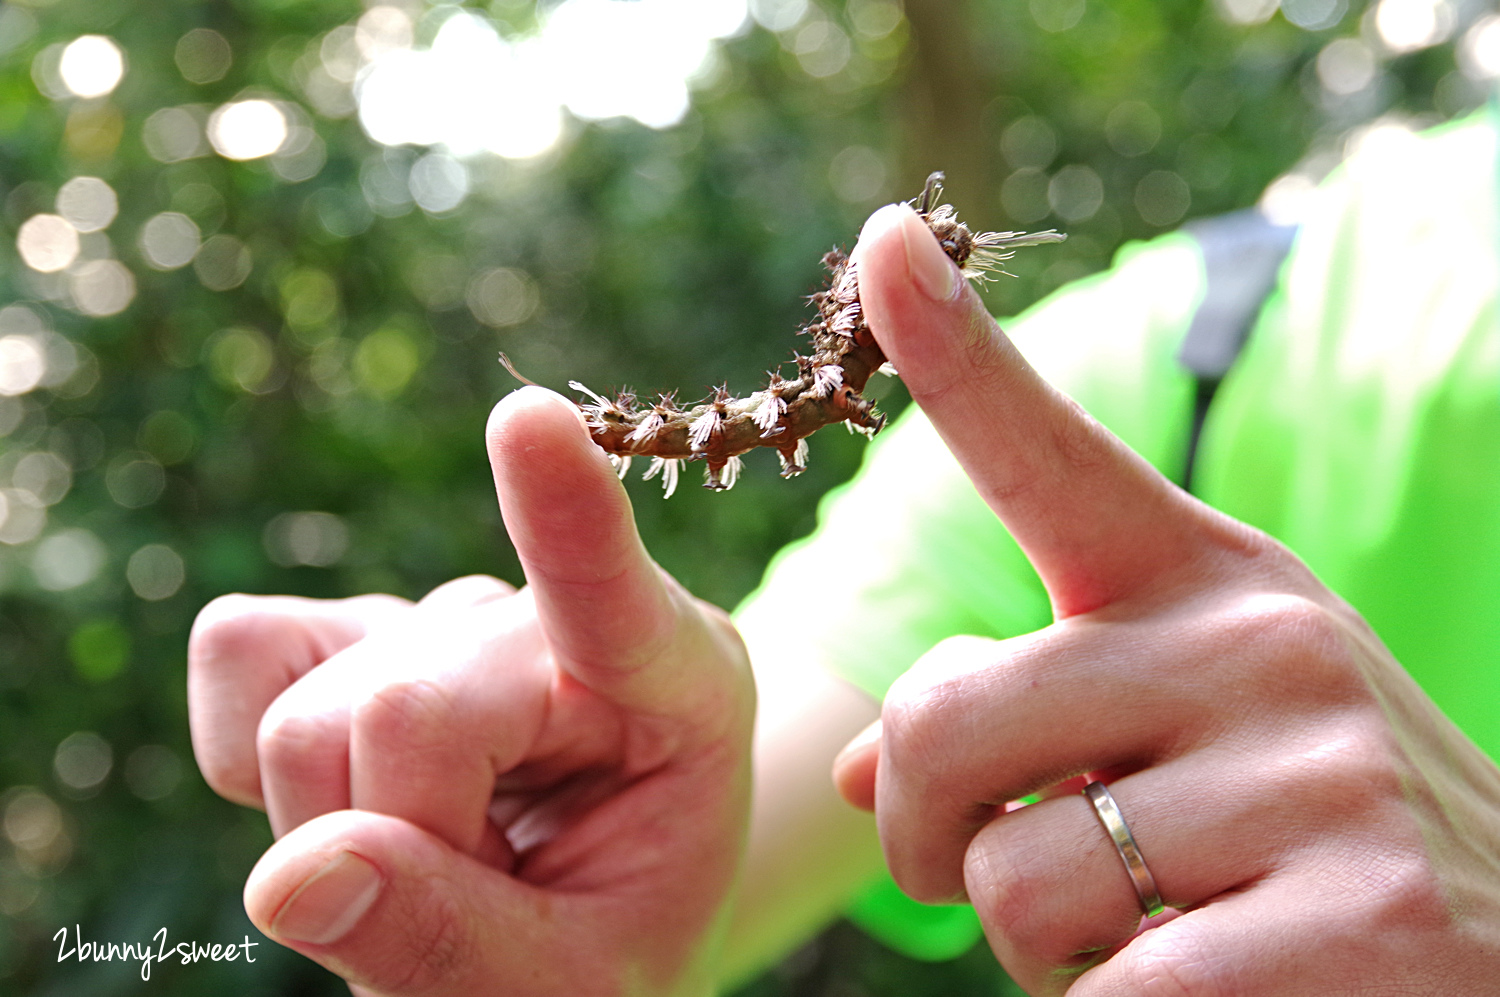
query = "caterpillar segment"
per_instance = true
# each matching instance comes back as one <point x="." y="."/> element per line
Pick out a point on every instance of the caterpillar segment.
<point x="782" y="414"/>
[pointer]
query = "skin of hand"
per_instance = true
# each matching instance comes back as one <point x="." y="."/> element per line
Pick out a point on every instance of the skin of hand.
<point x="1314" y="823"/>
<point x="532" y="793"/>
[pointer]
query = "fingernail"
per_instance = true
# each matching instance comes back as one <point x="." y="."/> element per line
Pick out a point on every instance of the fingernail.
<point x="329" y="902"/>
<point x="879" y="223"/>
<point x="931" y="270"/>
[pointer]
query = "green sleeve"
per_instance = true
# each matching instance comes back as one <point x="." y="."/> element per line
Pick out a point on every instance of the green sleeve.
<point x="907" y="552"/>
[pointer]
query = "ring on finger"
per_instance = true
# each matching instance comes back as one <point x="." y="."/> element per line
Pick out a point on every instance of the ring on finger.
<point x="1130" y="853"/>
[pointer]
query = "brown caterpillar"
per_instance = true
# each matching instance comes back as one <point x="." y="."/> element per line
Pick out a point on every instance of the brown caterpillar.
<point x="787" y="411"/>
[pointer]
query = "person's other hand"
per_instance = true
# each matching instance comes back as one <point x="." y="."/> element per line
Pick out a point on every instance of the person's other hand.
<point x="533" y="793"/>
<point x="1316" y="822"/>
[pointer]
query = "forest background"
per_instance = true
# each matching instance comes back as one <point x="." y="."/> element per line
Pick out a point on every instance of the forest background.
<point x="260" y="256"/>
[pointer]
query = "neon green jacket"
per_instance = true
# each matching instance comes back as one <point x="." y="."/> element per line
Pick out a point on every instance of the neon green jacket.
<point x="1361" y="427"/>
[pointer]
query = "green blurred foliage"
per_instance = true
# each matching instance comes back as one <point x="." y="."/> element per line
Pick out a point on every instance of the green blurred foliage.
<point x="300" y="409"/>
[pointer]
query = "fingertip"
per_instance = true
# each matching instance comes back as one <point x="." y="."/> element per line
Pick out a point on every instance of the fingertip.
<point x="855" y="767"/>
<point x="880" y="225"/>
<point x="294" y="862"/>
<point x="529" y="404"/>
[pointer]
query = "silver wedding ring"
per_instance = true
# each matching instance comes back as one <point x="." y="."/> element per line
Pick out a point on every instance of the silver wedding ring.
<point x="1130" y="852"/>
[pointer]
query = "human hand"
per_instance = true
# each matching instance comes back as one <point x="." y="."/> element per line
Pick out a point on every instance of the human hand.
<point x="541" y="792"/>
<point x="1316" y="822"/>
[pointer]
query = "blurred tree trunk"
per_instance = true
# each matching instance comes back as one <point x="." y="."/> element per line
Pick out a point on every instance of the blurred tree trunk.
<point x="944" y="124"/>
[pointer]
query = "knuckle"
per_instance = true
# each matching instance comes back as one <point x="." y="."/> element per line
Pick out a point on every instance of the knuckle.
<point x="467" y="590"/>
<point x="1006" y="894"/>
<point x="1290" y="620"/>
<point x="1399" y="892"/>
<point x="295" y="745"/>
<point x="410" y="712"/>
<point x="1171" y="975"/>
<point x="228" y="629"/>
<point x="918" y="723"/>
<point x="1079" y="441"/>
<point x="929" y="720"/>
<point x="1177" y="963"/>
<point x="1355" y="767"/>
<point x="933" y="702"/>
<point x="1295" y="642"/>
<point x="1019" y="876"/>
<point x="229" y="776"/>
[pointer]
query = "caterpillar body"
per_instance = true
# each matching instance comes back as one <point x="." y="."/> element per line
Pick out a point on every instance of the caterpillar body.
<point x="825" y="390"/>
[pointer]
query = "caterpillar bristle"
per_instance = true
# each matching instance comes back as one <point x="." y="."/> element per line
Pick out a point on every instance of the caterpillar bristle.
<point x="826" y="388"/>
<point x="668" y="470"/>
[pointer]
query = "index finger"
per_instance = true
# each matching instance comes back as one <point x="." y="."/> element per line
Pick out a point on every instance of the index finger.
<point x="1095" y="519"/>
<point x="615" y="622"/>
<point x="245" y="650"/>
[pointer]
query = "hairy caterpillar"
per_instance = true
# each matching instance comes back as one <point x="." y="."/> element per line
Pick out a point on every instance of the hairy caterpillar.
<point x="786" y="411"/>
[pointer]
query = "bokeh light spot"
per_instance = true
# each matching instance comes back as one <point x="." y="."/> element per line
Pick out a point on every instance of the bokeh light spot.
<point x="385" y="362"/>
<point x="22" y="518"/>
<point x="1057" y="15"/>
<point x="821" y="48"/>
<point x="1162" y="198"/>
<point x="83" y="761"/>
<point x="306" y="539"/>
<point x="169" y="240"/>
<point x="1024" y="195"/>
<point x="473" y="90"/>
<point x="875" y="19"/>
<point x="247" y="129"/>
<point x="134" y="481"/>
<point x="1346" y="66"/>
<point x="1409" y="25"/>
<point x="1029" y="142"/>
<point x="502" y="297"/>
<point x="32" y="820"/>
<point x="1076" y="193"/>
<point x="102" y="287"/>
<point x="67" y="559"/>
<point x="302" y="163"/>
<point x="438" y="182"/>
<point x="1479" y="53"/>
<point x="1247" y="12"/>
<point x="153" y="771"/>
<point x="241" y="358"/>
<point x="1133" y="128"/>
<point x="17" y="27"/>
<point x="99" y="649"/>
<point x="168" y="436"/>
<point x="44" y="476"/>
<point x="155" y="572"/>
<point x="310" y="303"/>
<point x="778" y="15"/>
<point x="88" y="203"/>
<point x="382" y="30"/>
<point x="174" y="134"/>
<point x="203" y="56"/>
<point x="47" y="243"/>
<point x="1314" y="15"/>
<point x="857" y="174"/>
<point x="22" y="364"/>
<point x="222" y="263"/>
<point x="91" y="66"/>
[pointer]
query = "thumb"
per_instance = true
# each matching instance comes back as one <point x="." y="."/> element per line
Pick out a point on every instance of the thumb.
<point x="388" y="906"/>
<point x="1095" y="519"/>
